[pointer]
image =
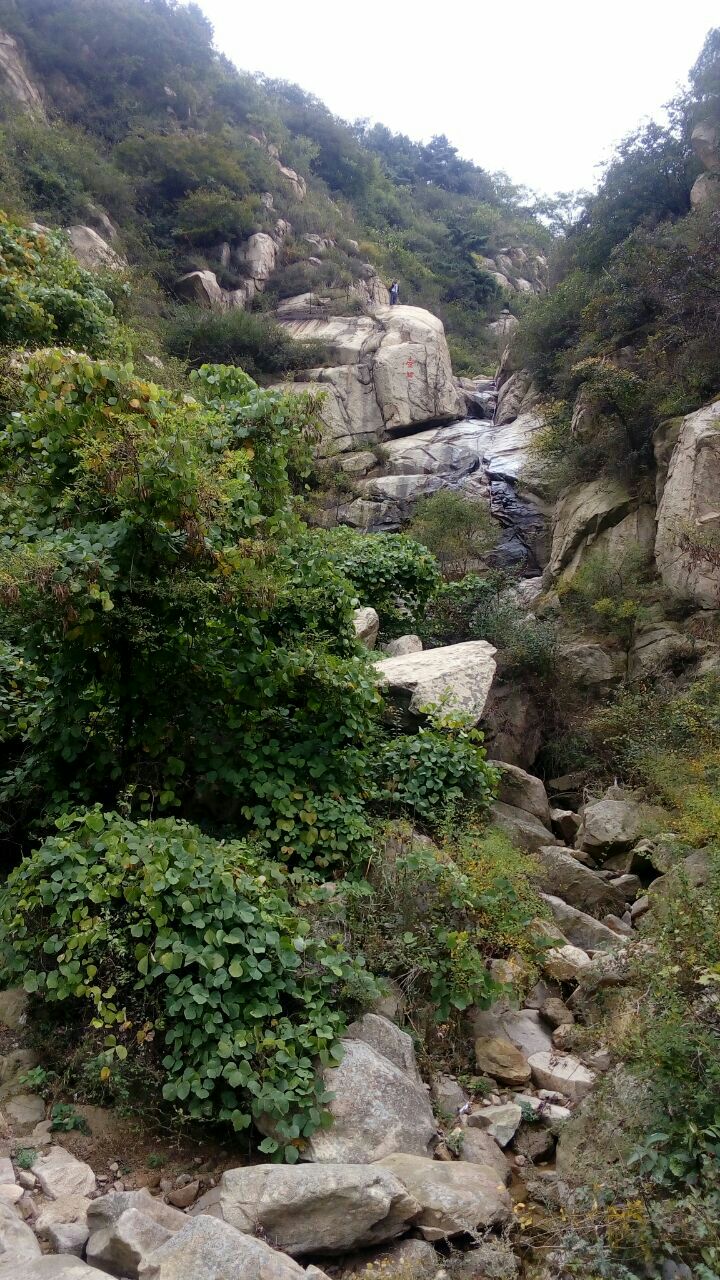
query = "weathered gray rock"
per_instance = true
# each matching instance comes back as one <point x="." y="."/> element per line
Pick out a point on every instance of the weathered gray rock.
<point x="613" y="823"/>
<point x="502" y="1060"/>
<point x="590" y="666"/>
<point x="449" y="1096"/>
<point x="15" y="83"/>
<point x="377" y="1110"/>
<point x="705" y="191"/>
<point x="17" y="1242"/>
<point x="61" y="1174"/>
<point x="402" y="646"/>
<point x="559" y="873"/>
<point x="13" y="1008"/>
<point x="566" y="822"/>
<point x="580" y="929"/>
<point x="523" y="791"/>
<point x="479" y="1147"/>
<point x="562" y="1073"/>
<point x="524" y="830"/>
<point x="658" y="647"/>
<point x="458" y="676"/>
<point x="565" y="963"/>
<point x="92" y="252"/>
<point x="208" y="1249"/>
<point x="581" y="513"/>
<point x="106" y="1210"/>
<point x="13" y="1065"/>
<point x="68" y="1238"/>
<point x="319" y="1209"/>
<point x="202" y="289"/>
<point x="121" y="1248"/>
<point x="454" y="1198"/>
<point x="695" y="871"/>
<point x="705" y="140"/>
<point x="689" y="513"/>
<point x="388" y="1040"/>
<point x="68" y="1209"/>
<point x="545" y="1112"/>
<point x="367" y="625"/>
<point x="534" y="1141"/>
<point x="500" y="1122"/>
<point x="24" y="1111"/>
<point x="51" y="1268"/>
<point x="513" y="724"/>
<point x="555" y="1012"/>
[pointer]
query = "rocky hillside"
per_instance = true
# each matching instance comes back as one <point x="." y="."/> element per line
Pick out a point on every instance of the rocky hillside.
<point x="359" y="713"/>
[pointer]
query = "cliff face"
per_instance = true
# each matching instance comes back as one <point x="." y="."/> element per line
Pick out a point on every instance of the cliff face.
<point x="16" y="84"/>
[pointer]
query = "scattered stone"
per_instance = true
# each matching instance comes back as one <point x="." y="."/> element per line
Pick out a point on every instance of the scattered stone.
<point x="613" y="823"/>
<point x="68" y="1238"/>
<point x="618" y="926"/>
<point x="562" y="1072"/>
<point x="10" y="1193"/>
<point x="565" y="964"/>
<point x="640" y="907"/>
<point x="501" y="1060"/>
<point x="501" y="1122"/>
<point x="580" y="929"/>
<point x="478" y="1147"/>
<point x="329" y="1208"/>
<point x="208" y="1249"/>
<point x="60" y="1174"/>
<point x="24" y="1111"/>
<point x="126" y="1244"/>
<point x="454" y="1198"/>
<point x="183" y="1197"/>
<point x="67" y="1209"/>
<point x="402" y="646"/>
<point x="555" y="1012"/>
<point x="558" y="872"/>
<point x="629" y="885"/>
<point x="566" y="823"/>
<point x="367" y="625"/>
<point x="17" y="1241"/>
<point x="449" y="1097"/>
<point x="41" y="1135"/>
<point x="388" y="1040"/>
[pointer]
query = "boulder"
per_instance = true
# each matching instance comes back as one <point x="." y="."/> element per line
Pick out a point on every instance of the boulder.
<point x="516" y="395"/>
<point x="449" y="1097"/>
<point x="479" y="1147"/>
<point x="545" y="1112"/>
<point x="555" y="1012"/>
<point x="15" y="83"/>
<point x="658" y="647"/>
<point x="559" y="873"/>
<point x="500" y="1122"/>
<point x="454" y="1198"/>
<point x="68" y="1237"/>
<point x="61" y="1174"/>
<point x="524" y="830"/>
<point x="705" y="141"/>
<point x="121" y="1248"/>
<point x="18" y="1245"/>
<point x="391" y="369"/>
<point x="24" y="1111"/>
<point x="500" y="1059"/>
<point x="208" y="1249"/>
<point x="13" y="1008"/>
<point x="51" y="1268"/>
<point x="562" y="1073"/>
<point x="513" y="724"/>
<point x="202" y="289"/>
<point x="68" y="1209"/>
<point x="92" y="252"/>
<point x="106" y="1210"/>
<point x="613" y="823"/>
<point x="367" y="625"/>
<point x="694" y="871"/>
<point x="705" y="191"/>
<point x="402" y="646"/>
<point x="459" y="676"/>
<point x="634" y="534"/>
<point x="388" y="1040"/>
<point x="319" y="1209"/>
<point x="534" y="1141"/>
<point x="580" y="929"/>
<point x="377" y="1110"/>
<point x="590" y="666"/>
<point x="689" y="513"/>
<point x="565" y="963"/>
<point x="523" y="791"/>
<point x="567" y="823"/>
<point x="581" y="513"/>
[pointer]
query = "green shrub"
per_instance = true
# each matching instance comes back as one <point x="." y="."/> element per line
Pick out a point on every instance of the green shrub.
<point x="457" y="530"/>
<point x="438" y="774"/>
<point x="487" y="609"/>
<point x="389" y="571"/>
<point x="607" y="592"/>
<point x="155" y="928"/>
<point x="45" y="297"/>
<point x="249" y="339"/>
<point x="209" y="215"/>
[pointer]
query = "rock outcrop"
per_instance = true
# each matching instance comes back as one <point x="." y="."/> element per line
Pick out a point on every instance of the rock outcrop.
<point x="705" y="193"/>
<point x="92" y="251"/>
<point x="687" y="548"/>
<point x="15" y="83"/>
<point x="257" y="257"/>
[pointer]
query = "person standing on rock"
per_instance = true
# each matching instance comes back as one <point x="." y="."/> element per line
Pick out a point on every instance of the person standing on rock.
<point x="394" y="292"/>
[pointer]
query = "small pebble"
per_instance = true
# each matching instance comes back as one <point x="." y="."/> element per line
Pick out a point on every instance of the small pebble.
<point x="114" y="1167"/>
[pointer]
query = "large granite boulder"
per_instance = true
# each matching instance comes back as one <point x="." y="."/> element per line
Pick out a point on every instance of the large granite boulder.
<point x="389" y="370"/>
<point x="688" y="517"/>
<point x="92" y="251"/>
<point x="209" y="1249"/>
<point x="559" y="873"/>
<point x="377" y="1109"/>
<point x="614" y="822"/>
<point x="458" y="676"/>
<point x="523" y="828"/>
<point x="323" y="1209"/>
<point x="388" y="1040"/>
<point x="455" y="1199"/>
<point x="523" y="791"/>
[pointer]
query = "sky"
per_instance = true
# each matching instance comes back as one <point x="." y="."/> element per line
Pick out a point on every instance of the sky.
<point x="542" y="91"/>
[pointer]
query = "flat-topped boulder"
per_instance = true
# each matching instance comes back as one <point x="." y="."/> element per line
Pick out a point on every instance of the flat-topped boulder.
<point x="458" y="676"/>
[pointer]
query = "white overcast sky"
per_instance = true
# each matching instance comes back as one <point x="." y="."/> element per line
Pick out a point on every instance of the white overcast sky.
<point x="541" y="90"/>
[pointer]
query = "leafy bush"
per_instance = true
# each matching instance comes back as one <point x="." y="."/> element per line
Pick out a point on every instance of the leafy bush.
<point x="45" y="297"/>
<point x="438" y="774"/>
<point x="487" y="609"/>
<point x="249" y="339"/>
<point x="209" y="215"/>
<point x="389" y="571"/>
<point x="607" y="592"/>
<point x="431" y="918"/>
<point x="457" y="530"/>
<point x="176" y="944"/>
